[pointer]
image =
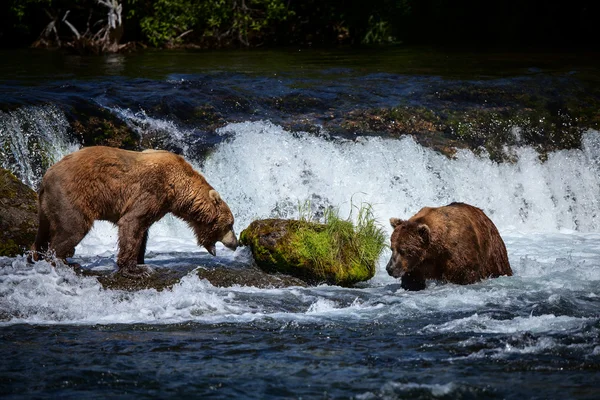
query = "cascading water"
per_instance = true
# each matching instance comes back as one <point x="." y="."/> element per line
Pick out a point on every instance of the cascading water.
<point x="264" y="171"/>
<point x="32" y="139"/>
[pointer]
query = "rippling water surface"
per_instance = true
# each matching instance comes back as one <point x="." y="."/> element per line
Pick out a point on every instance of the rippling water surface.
<point x="533" y="335"/>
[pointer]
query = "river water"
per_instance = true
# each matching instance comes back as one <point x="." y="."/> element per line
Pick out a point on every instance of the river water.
<point x="533" y="335"/>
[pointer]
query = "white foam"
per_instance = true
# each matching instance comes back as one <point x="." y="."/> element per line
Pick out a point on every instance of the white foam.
<point x="44" y="294"/>
<point x="168" y="235"/>
<point x="264" y="171"/>
<point x="486" y="324"/>
<point x="144" y="125"/>
<point x="392" y="390"/>
<point x="542" y="281"/>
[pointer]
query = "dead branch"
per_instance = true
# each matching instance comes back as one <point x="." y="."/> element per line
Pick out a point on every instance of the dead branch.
<point x="73" y="29"/>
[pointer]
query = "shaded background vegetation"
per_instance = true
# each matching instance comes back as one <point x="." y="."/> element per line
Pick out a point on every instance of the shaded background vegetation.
<point x="242" y="23"/>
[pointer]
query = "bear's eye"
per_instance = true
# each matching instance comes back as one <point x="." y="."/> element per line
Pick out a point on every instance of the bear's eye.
<point x="402" y="252"/>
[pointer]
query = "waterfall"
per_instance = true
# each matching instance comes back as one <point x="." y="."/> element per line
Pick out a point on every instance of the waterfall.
<point x="265" y="171"/>
<point x="32" y="139"/>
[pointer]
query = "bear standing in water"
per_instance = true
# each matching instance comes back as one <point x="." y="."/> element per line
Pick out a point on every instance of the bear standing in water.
<point x="457" y="243"/>
<point x="133" y="190"/>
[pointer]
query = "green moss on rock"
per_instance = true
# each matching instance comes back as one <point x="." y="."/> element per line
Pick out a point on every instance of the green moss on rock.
<point x="335" y="252"/>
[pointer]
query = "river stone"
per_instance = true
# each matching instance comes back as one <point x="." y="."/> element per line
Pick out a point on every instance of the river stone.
<point x="218" y="275"/>
<point x="273" y="243"/>
<point x="18" y="215"/>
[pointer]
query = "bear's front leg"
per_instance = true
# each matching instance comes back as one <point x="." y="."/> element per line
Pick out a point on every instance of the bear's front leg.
<point x="132" y="241"/>
<point x="413" y="280"/>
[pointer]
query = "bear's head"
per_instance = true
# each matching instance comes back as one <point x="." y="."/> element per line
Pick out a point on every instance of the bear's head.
<point x="214" y="224"/>
<point x="409" y="244"/>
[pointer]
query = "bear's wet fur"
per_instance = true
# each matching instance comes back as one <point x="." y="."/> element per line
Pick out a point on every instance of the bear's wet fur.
<point x="133" y="190"/>
<point x="456" y="243"/>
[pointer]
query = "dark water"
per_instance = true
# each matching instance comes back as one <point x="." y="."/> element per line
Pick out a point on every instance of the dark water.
<point x="271" y="360"/>
<point x="533" y="335"/>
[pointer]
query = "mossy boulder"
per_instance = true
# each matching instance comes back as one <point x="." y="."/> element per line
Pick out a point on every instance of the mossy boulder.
<point x="18" y="215"/>
<point x="334" y="252"/>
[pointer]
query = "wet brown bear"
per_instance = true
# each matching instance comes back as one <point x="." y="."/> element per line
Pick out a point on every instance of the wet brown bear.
<point x="132" y="190"/>
<point x="457" y="243"/>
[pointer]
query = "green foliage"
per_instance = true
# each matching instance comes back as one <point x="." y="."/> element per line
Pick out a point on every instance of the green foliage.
<point x="164" y="21"/>
<point x="17" y="27"/>
<point x="379" y="32"/>
<point x="344" y="250"/>
<point x="18" y="8"/>
<point x="335" y="250"/>
<point x="243" y="21"/>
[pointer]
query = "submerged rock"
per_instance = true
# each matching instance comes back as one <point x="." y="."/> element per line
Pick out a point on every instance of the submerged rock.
<point x="18" y="215"/>
<point x="160" y="279"/>
<point x="218" y="275"/>
<point x="303" y="249"/>
<point x="94" y="125"/>
<point x="251" y="276"/>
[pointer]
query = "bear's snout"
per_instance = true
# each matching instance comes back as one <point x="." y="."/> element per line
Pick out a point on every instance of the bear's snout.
<point x="394" y="268"/>
<point x="230" y="241"/>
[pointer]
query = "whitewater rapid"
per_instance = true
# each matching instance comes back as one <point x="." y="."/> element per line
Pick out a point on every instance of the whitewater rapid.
<point x="548" y="281"/>
<point x="545" y="211"/>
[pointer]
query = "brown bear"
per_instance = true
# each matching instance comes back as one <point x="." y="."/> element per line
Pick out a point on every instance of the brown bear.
<point x="132" y="190"/>
<point x="456" y="243"/>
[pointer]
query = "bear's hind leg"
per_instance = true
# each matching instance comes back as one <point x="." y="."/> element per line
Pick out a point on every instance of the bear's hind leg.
<point x="42" y="238"/>
<point x="63" y="242"/>
<point x="133" y="236"/>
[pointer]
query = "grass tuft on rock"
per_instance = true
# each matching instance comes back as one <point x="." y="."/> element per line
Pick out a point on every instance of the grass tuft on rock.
<point x="344" y="250"/>
<point x="328" y="249"/>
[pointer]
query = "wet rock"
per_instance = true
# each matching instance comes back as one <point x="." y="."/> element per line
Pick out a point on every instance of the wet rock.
<point x="252" y="276"/>
<point x="394" y="120"/>
<point x="18" y="215"/>
<point x="218" y="275"/>
<point x="96" y="126"/>
<point x="303" y="249"/>
<point x="207" y="116"/>
<point x="160" y="279"/>
<point x="547" y="114"/>
<point x="296" y="103"/>
<point x="426" y="126"/>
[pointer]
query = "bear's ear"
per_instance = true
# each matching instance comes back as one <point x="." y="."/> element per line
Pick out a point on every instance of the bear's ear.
<point x="424" y="233"/>
<point x="394" y="222"/>
<point x="214" y="196"/>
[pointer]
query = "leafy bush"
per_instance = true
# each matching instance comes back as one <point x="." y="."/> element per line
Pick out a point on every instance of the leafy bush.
<point x="166" y="22"/>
